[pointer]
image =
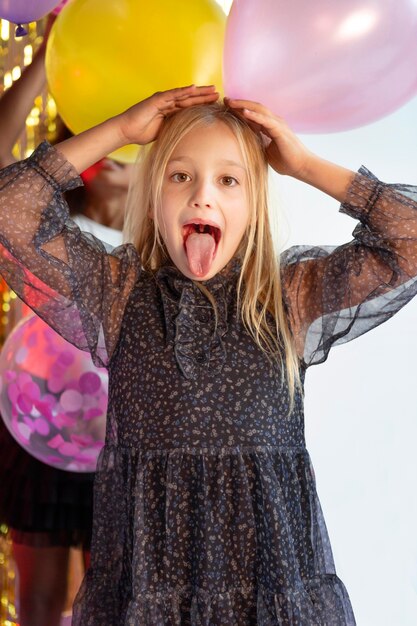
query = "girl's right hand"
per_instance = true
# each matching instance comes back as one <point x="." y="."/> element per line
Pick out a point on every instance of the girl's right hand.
<point x="142" y="122"/>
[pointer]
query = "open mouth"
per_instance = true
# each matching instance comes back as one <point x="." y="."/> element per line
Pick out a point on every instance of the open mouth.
<point x="200" y="228"/>
<point x="200" y="241"/>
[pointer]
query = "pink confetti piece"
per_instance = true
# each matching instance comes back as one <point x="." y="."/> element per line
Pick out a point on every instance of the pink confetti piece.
<point x="24" y="431"/>
<point x="56" y="461"/>
<point x="82" y="440"/>
<point x="29" y="423"/>
<point x="67" y="420"/>
<point x="23" y="378"/>
<point x="73" y="384"/>
<point x="31" y="390"/>
<point x="69" y="449"/>
<point x="50" y="400"/>
<point x="90" y="383"/>
<point x="92" y="413"/>
<point x="58" y="421"/>
<point x="13" y="392"/>
<point x="44" y="410"/>
<point x="71" y="400"/>
<point x="42" y="427"/>
<point x="56" y="441"/>
<point x="24" y="403"/>
<point x="66" y="358"/>
<point x="57" y="370"/>
<point x="55" y="384"/>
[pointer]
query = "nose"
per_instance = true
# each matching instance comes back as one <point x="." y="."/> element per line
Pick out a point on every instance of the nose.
<point x="202" y="196"/>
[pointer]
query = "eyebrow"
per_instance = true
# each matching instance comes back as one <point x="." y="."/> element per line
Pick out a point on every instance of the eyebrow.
<point x="220" y="162"/>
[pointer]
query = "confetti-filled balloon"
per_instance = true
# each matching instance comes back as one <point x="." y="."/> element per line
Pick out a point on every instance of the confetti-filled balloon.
<point x="52" y="398"/>
<point x="328" y="65"/>
<point x="103" y="56"/>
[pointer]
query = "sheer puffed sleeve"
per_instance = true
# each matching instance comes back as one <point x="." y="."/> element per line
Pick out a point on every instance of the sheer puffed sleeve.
<point x="334" y="294"/>
<point x="67" y="277"/>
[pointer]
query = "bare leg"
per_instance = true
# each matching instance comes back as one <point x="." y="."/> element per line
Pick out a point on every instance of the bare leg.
<point x="42" y="583"/>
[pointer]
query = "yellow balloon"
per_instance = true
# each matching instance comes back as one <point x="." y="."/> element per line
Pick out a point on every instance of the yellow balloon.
<point x="105" y="55"/>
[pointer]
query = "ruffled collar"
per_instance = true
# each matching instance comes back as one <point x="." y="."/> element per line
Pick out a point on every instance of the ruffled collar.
<point x="171" y="276"/>
<point x="190" y="319"/>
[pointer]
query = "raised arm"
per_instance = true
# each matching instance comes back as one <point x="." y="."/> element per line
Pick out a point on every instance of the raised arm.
<point x="17" y="101"/>
<point x="66" y="276"/>
<point x="335" y="294"/>
<point x="140" y="124"/>
<point x="288" y="156"/>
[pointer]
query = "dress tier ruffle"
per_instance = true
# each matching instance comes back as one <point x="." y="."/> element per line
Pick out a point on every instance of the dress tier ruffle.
<point x="243" y="524"/>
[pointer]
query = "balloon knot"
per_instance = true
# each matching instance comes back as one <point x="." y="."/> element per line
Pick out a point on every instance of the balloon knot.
<point x="20" y="31"/>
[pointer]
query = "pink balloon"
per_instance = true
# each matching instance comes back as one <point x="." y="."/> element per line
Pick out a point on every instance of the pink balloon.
<point x="41" y="400"/>
<point x="324" y="66"/>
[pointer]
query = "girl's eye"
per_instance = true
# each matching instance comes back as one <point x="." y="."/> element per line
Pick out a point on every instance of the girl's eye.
<point x="229" y="181"/>
<point x="180" y="177"/>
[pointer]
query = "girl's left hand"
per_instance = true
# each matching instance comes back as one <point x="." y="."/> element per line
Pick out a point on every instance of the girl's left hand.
<point x="142" y="122"/>
<point x="285" y="152"/>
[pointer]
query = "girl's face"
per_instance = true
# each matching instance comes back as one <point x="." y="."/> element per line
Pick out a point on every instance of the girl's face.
<point x="204" y="209"/>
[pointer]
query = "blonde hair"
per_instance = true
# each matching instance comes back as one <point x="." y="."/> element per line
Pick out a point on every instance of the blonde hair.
<point x="259" y="290"/>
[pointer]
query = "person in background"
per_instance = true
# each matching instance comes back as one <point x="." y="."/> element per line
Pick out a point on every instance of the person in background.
<point x="50" y="510"/>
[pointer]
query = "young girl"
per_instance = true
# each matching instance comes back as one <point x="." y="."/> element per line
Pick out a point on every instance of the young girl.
<point x="206" y="509"/>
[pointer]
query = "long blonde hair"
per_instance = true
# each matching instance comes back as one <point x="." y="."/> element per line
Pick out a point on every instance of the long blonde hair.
<point x="260" y="299"/>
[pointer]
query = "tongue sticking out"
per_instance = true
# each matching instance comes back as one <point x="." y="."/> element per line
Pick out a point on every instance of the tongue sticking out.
<point x="200" y="249"/>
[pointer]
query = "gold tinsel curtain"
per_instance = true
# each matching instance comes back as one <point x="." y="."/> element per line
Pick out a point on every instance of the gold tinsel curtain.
<point x="15" y="54"/>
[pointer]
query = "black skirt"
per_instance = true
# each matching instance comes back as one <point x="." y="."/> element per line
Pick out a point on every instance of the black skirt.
<point x="42" y="505"/>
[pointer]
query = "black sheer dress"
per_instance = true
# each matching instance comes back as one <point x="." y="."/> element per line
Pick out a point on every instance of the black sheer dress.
<point x="206" y="510"/>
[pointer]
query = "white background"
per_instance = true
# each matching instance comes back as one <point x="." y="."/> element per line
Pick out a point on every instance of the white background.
<point x="361" y="404"/>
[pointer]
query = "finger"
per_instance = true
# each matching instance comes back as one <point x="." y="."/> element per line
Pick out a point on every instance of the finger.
<point x="166" y="98"/>
<point x="254" y="125"/>
<point x="243" y="104"/>
<point x="187" y="99"/>
<point x="183" y="92"/>
<point x="177" y="105"/>
<point x="199" y="91"/>
<point x="268" y="122"/>
<point x="204" y="99"/>
<point x="251" y="106"/>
